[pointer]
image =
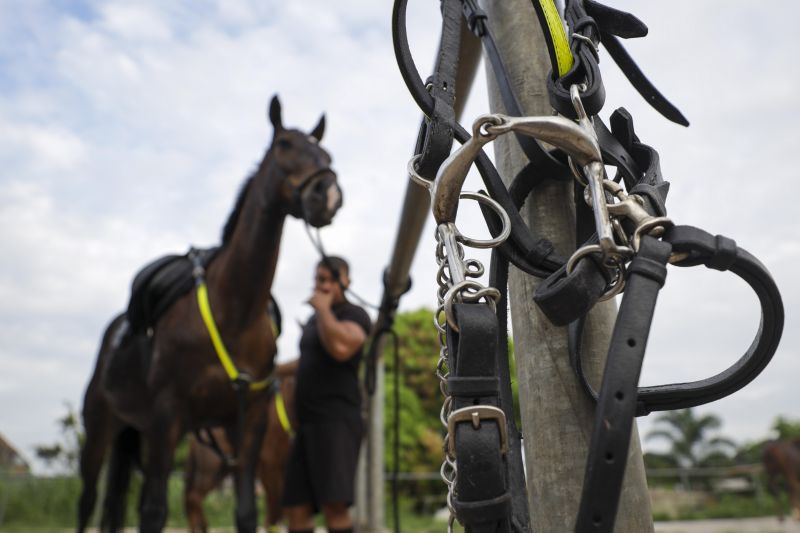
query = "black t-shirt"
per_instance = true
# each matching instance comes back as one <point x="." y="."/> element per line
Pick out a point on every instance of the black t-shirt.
<point x="327" y="388"/>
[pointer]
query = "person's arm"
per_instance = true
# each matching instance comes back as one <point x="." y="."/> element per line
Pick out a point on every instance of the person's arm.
<point x="340" y="338"/>
<point x="287" y="369"/>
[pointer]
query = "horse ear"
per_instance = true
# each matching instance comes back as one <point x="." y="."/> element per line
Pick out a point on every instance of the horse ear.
<point x="319" y="129"/>
<point x="275" y="113"/>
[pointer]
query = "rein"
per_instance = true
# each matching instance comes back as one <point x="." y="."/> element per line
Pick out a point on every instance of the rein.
<point x="627" y="243"/>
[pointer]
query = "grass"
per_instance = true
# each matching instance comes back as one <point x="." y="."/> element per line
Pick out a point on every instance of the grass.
<point x="49" y="505"/>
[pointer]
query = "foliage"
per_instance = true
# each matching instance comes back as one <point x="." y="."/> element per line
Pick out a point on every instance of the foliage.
<point x="785" y="428"/>
<point x="64" y="454"/>
<point x="36" y="502"/>
<point x="420" y="397"/>
<point x="690" y="439"/>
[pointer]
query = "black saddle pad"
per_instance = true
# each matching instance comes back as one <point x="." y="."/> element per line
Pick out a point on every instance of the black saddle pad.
<point x="156" y="287"/>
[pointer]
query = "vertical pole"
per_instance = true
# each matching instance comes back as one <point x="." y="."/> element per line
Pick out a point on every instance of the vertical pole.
<point x="556" y="414"/>
<point x="370" y="493"/>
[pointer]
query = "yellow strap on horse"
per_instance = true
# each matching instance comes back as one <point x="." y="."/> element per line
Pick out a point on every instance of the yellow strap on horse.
<point x="216" y="340"/>
<point x="280" y="407"/>
<point x="557" y="36"/>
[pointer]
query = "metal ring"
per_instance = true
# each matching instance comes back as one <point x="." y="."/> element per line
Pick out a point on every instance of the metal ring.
<point x="414" y="175"/>
<point x="648" y="227"/>
<point x="491" y="294"/>
<point x="616" y="286"/>
<point x="580" y="253"/>
<point x="489" y="133"/>
<point x="451" y="294"/>
<point x="497" y="208"/>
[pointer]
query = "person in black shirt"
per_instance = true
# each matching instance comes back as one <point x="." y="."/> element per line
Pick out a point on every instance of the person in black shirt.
<point x="321" y="470"/>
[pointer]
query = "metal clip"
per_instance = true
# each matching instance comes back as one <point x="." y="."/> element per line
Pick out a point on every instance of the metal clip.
<point x="476" y="414"/>
<point x="631" y="207"/>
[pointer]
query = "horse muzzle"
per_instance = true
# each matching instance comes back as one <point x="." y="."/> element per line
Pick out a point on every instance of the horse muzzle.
<point x="321" y="199"/>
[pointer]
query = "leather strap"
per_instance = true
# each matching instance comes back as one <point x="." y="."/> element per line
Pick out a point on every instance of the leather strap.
<point x="481" y="499"/>
<point x="616" y="405"/>
<point x="563" y="297"/>
<point x="590" y="24"/>
<point x="719" y="253"/>
<point x="520" y="519"/>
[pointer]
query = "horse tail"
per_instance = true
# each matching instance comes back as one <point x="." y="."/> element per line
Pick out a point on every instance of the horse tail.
<point x="98" y="424"/>
<point x="124" y="456"/>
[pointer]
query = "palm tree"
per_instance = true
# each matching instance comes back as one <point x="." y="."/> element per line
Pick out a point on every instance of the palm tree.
<point x="688" y="435"/>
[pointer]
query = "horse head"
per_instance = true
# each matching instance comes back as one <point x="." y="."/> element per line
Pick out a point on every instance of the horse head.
<point x="308" y="187"/>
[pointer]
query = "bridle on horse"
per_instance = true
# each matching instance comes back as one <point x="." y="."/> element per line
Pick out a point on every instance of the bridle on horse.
<point x="627" y="242"/>
<point x="242" y="383"/>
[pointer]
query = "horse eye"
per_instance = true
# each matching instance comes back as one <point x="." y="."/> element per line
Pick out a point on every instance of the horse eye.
<point x="284" y="144"/>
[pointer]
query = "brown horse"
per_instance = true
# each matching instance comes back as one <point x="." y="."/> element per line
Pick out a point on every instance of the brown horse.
<point x="781" y="460"/>
<point x="206" y="470"/>
<point x="149" y="389"/>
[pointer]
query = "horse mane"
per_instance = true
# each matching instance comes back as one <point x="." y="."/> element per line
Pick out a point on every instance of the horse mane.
<point x="233" y="218"/>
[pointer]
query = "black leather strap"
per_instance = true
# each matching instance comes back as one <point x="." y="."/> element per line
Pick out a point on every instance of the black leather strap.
<point x="520" y="519"/>
<point x="564" y="298"/>
<point x="616" y="405"/>
<point x="481" y="501"/>
<point x="596" y="23"/>
<point x="720" y="253"/>
<point x="716" y="252"/>
<point x="544" y="163"/>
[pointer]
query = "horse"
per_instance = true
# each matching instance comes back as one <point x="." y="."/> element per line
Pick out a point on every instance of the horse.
<point x="149" y="388"/>
<point x="781" y="459"/>
<point x="206" y="470"/>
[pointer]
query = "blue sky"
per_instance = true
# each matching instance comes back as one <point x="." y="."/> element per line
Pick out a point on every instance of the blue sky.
<point x="126" y="129"/>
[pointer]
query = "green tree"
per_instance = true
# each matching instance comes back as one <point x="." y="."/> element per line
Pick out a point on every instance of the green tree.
<point x="785" y="428"/>
<point x="64" y="454"/>
<point x="690" y="438"/>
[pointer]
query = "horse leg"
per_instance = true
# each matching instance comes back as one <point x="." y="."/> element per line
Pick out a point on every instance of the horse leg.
<point x="162" y="438"/>
<point x="773" y="487"/>
<point x="272" y="493"/>
<point x="793" y="484"/>
<point x="204" y="471"/>
<point x="245" y="472"/>
<point x="124" y="455"/>
<point x="192" y="492"/>
<point x="98" y="436"/>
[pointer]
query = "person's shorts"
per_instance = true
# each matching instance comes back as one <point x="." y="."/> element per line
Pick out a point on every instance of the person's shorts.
<point x="322" y="463"/>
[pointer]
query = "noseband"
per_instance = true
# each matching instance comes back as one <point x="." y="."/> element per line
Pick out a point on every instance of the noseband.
<point x="297" y="192"/>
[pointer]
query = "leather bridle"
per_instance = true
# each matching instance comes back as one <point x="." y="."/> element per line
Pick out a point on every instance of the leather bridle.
<point x="627" y="242"/>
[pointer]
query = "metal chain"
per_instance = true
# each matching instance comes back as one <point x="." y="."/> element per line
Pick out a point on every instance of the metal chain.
<point x="453" y="286"/>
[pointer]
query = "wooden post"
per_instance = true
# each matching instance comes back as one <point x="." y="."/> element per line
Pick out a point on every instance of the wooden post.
<point x="370" y="493"/>
<point x="556" y="414"/>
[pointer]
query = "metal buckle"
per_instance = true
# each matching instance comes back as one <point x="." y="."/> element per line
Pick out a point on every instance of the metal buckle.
<point x="474" y="414"/>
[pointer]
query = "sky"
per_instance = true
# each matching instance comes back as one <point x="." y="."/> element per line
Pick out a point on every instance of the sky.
<point x="127" y="128"/>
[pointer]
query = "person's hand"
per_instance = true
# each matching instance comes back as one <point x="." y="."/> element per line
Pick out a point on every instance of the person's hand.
<point x="321" y="300"/>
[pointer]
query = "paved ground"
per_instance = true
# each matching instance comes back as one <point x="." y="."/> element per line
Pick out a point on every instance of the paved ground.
<point x="749" y="525"/>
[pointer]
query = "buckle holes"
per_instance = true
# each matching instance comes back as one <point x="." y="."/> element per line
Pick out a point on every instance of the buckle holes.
<point x="631" y="342"/>
<point x="619" y="395"/>
<point x="609" y="457"/>
<point x="597" y="520"/>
